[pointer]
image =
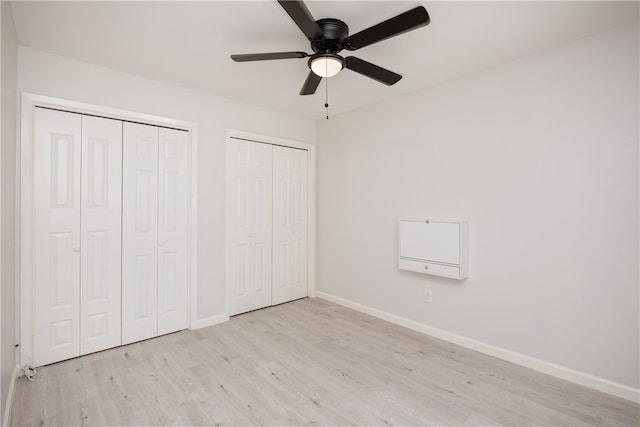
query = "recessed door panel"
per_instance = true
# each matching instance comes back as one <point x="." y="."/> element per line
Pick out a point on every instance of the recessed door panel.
<point x="62" y="334"/>
<point x="98" y="171"/>
<point x="100" y="282"/>
<point x="241" y="258"/>
<point x="64" y="149"/>
<point x="144" y="288"/>
<point x="144" y="199"/>
<point x="139" y="232"/>
<point x="56" y="198"/>
<point x="168" y="298"/>
<point x="97" y="327"/>
<point x="171" y="203"/>
<point x="62" y="270"/>
<point x="97" y="275"/>
<point x="241" y="196"/>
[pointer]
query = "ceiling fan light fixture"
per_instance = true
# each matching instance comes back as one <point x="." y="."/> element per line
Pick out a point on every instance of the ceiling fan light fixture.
<point x="326" y="65"/>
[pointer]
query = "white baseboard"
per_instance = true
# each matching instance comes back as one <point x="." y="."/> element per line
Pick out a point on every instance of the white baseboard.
<point x="9" y="403"/>
<point x="600" y="384"/>
<point x="209" y="321"/>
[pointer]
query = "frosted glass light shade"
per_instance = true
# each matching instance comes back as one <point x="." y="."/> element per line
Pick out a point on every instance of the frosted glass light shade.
<point x="326" y="66"/>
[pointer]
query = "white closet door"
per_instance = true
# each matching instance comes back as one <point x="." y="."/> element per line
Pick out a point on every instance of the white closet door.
<point x="100" y="279"/>
<point x="173" y="230"/>
<point x="250" y="225"/>
<point x="56" y="198"/>
<point x="139" y="232"/>
<point x="238" y="199"/>
<point x="289" y="224"/>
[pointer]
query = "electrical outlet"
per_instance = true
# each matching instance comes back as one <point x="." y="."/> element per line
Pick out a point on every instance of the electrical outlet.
<point x="428" y="296"/>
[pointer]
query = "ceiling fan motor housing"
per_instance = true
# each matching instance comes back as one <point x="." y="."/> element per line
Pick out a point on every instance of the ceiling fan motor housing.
<point x="334" y="31"/>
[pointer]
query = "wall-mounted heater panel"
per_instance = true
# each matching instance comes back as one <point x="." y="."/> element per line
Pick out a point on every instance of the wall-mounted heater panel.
<point x="434" y="246"/>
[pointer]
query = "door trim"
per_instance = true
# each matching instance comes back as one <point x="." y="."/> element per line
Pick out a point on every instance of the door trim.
<point x="311" y="204"/>
<point x="29" y="102"/>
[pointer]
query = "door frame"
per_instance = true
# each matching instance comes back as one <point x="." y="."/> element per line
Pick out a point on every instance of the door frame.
<point x="311" y="205"/>
<point x="29" y="102"/>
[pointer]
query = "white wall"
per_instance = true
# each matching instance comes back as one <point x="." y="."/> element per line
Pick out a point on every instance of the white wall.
<point x="7" y="203"/>
<point x="61" y="77"/>
<point x="541" y="156"/>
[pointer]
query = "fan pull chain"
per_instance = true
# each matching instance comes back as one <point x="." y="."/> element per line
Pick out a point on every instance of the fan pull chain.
<point x="326" y="95"/>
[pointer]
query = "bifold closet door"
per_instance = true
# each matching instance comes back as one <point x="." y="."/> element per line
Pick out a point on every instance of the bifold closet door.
<point x="76" y="196"/>
<point x="173" y="230"/>
<point x="56" y="201"/>
<point x="250" y="225"/>
<point x="139" y="232"/>
<point x="155" y="230"/>
<point x="289" y="224"/>
<point x="100" y="229"/>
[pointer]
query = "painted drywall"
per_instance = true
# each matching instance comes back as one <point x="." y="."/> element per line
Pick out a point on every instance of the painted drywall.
<point x="540" y="155"/>
<point x="7" y="203"/>
<point x="47" y="74"/>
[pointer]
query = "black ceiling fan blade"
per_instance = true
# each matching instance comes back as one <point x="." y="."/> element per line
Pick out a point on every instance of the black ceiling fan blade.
<point x="310" y="84"/>
<point x="407" y="21"/>
<point x="371" y="70"/>
<point x="267" y="56"/>
<point x="298" y="11"/>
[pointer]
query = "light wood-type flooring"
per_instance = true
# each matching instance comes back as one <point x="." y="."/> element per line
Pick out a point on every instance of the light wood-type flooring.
<point x="309" y="362"/>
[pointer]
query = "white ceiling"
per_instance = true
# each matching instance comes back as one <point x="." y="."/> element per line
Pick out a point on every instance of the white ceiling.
<point x="189" y="43"/>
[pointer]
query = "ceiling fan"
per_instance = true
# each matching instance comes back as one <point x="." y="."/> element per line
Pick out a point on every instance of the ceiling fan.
<point x="329" y="36"/>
